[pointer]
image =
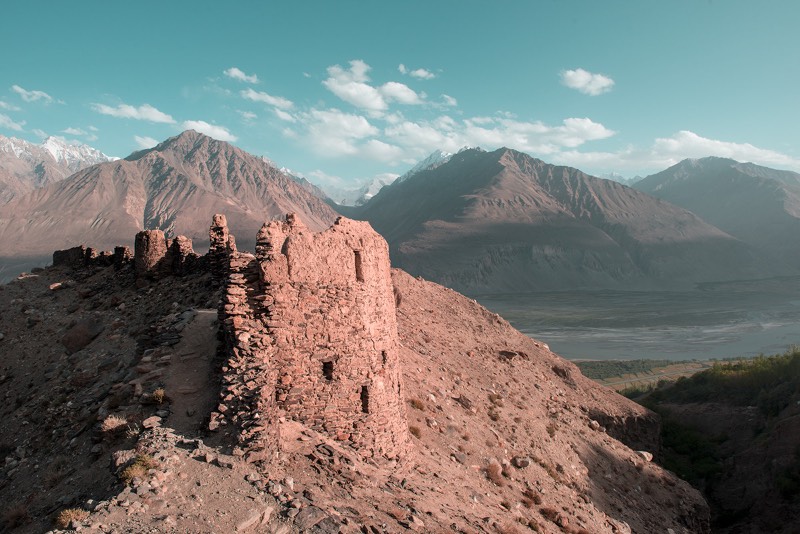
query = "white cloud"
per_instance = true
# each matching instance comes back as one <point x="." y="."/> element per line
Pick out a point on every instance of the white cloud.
<point x="261" y="96"/>
<point x="247" y="116"/>
<point x="667" y="151"/>
<point x="586" y="82"/>
<point x="8" y="107"/>
<point x="449" y="100"/>
<point x="74" y="131"/>
<point x="398" y="92"/>
<point x="493" y="132"/>
<point x="93" y="128"/>
<point x="422" y="74"/>
<point x="335" y="133"/>
<point x="380" y="151"/>
<point x="212" y="130"/>
<point x="238" y="74"/>
<point x="40" y="133"/>
<point x="351" y="86"/>
<point x="145" y="142"/>
<point x="7" y="122"/>
<point x="32" y="96"/>
<point x="284" y="116"/>
<point x="145" y="112"/>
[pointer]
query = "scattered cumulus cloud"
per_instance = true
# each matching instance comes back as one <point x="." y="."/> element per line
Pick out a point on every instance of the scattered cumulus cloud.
<point x="422" y="74"/>
<point x="32" y="96"/>
<point x="667" y="151"/>
<point x="8" y="123"/>
<point x="73" y="131"/>
<point x="212" y="130"/>
<point x="284" y="116"/>
<point x="40" y="133"/>
<point x="449" y="101"/>
<point x="247" y="116"/>
<point x="238" y="74"/>
<point x="144" y="142"/>
<point x="586" y="82"/>
<point x="350" y="84"/>
<point x="145" y="112"/>
<point x="261" y="96"/>
<point x="9" y="107"/>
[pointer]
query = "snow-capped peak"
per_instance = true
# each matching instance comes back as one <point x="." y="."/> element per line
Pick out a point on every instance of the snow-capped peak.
<point x="436" y="158"/>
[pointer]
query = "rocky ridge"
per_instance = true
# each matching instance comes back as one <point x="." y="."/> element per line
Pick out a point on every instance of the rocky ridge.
<point x="498" y="433"/>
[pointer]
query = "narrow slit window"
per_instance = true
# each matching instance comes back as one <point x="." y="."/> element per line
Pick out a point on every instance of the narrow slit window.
<point x="327" y="370"/>
<point x="359" y="267"/>
<point x="384" y="356"/>
<point x="364" y="399"/>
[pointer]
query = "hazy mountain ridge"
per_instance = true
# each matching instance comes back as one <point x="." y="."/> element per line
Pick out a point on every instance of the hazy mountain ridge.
<point x="504" y="221"/>
<point x="758" y="205"/>
<point x="25" y="166"/>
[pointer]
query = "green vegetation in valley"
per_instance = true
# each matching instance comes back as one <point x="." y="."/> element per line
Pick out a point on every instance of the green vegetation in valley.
<point x="603" y="369"/>
<point x="769" y="382"/>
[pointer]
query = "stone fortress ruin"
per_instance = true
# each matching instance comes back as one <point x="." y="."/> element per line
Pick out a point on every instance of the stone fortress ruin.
<point x="309" y="327"/>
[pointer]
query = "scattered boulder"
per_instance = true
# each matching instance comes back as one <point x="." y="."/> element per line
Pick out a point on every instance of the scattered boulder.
<point x="82" y="334"/>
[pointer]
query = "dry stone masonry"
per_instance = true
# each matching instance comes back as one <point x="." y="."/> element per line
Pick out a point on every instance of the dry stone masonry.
<point x="310" y="325"/>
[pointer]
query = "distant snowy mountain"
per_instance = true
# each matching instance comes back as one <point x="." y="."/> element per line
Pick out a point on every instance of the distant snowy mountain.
<point x="436" y="158"/>
<point x="25" y="166"/>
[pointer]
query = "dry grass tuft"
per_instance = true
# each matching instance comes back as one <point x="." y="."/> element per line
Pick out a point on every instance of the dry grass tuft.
<point x="113" y="425"/>
<point x="159" y="396"/>
<point x="417" y="404"/>
<point x="67" y="516"/>
<point x="415" y="431"/>
<point x="494" y="472"/>
<point x="139" y="468"/>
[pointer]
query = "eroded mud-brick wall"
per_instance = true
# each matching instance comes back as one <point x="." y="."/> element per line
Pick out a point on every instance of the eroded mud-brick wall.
<point x="332" y="319"/>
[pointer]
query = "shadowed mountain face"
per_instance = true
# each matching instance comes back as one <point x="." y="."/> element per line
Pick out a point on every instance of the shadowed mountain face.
<point x="504" y="221"/>
<point x="755" y="204"/>
<point x="172" y="187"/>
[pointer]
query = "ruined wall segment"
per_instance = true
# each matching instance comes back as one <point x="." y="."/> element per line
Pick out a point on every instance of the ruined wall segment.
<point x="332" y="318"/>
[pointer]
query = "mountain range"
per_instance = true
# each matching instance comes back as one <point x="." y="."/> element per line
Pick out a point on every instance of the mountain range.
<point x="478" y="221"/>
<point x="504" y="221"/>
<point x="26" y="166"/>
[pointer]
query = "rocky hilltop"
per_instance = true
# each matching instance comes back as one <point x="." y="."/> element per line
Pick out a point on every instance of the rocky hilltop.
<point x="503" y="221"/>
<point x="303" y="387"/>
<point x="172" y="187"/>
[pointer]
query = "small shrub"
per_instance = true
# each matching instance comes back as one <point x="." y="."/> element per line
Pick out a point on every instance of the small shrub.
<point x="507" y="528"/>
<point x="551" y="429"/>
<point x="494" y="472"/>
<point x="139" y="468"/>
<point x="16" y="516"/>
<point x="551" y="514"/>
<point x="533" y="496"/>
<point x="159" y="396"/>
<point x="417" y="404"/>
<point x="496" y="399"/>
<point x="415" y="431"/>
<point x="493" y="415"/>
<point x="68" y="515"/>
<point x="113" y="425"/>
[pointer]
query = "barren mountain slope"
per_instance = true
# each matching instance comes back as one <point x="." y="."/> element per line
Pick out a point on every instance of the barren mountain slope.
<point x="504" y="221"/>
<point x="509" y="437"/>
<point x="758" y="205"/>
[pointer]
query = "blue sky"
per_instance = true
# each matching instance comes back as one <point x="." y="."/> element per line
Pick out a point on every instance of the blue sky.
<point x="344" y="91"/>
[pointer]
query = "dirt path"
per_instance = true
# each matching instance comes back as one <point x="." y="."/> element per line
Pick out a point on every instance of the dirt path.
<point x="189" y="376"/>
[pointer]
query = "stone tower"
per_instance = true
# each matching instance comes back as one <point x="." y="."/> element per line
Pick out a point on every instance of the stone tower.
<point x="332" y="317"/>
<point x="311" y="329"/>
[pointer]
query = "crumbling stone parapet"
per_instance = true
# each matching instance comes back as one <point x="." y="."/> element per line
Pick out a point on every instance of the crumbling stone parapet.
<point x="182" y="258"/>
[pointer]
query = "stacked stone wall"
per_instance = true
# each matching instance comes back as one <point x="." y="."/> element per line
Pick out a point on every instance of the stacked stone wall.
<point x="332" y="318"/>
